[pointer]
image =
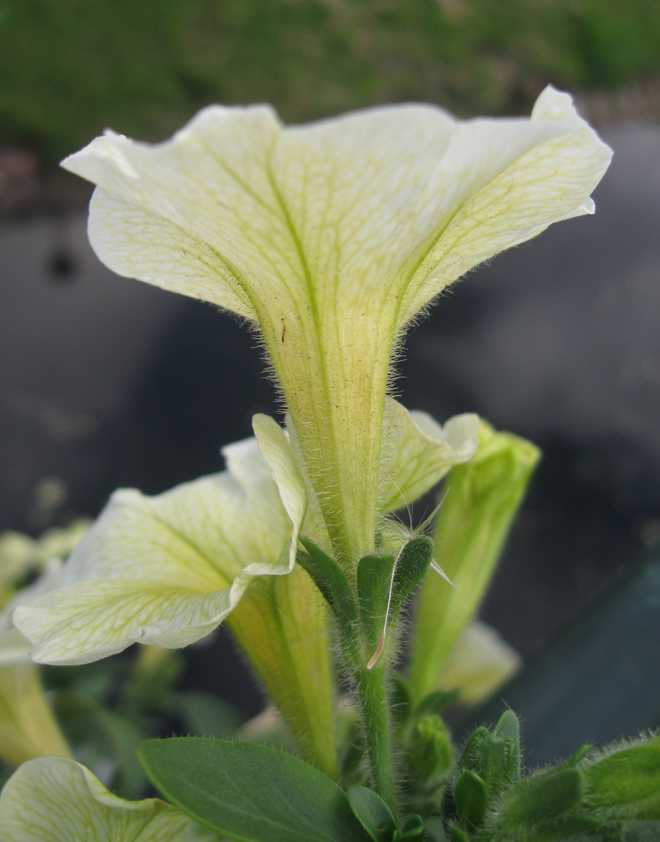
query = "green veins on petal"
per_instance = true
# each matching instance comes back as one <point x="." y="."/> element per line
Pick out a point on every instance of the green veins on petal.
<point x="52" y="799"/>
<point x="332" y="237"/>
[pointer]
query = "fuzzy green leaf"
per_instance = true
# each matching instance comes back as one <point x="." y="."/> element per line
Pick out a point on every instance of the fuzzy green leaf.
<point x="471" y="797"/>
<point x="544" y="797"/>
<point x="628" y="782"/>
<point x="330" y="579"/>
<point x="435" y="830"/>
<point x="249" y="792"/>
<point x="374" y="575"/>
<point x="373" y="813"/>
<point x="412" y="564"/>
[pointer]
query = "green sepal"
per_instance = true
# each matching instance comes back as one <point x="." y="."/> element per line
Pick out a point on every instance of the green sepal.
<point x="575" y="758"/>
<point x="374" y="576"/>
<point x="373" y="813"/>
<point x="412" y="831"/>
<point x="543" y="797"/>
<point x="430" y="748"/>
<point x="508" y="728"/>
<point x="627" y="782"/>
<point x="457" y="835"/>
<point x="437" y="702"/>
<point x="249" y="792"/>
<point x="411" y="567"/>
<point x="497" y="764"/>
<point x="471" y="797"/>
<point x="435" y="830"/>
<point x="471" y="751"/>
<point x="331" y="581"/>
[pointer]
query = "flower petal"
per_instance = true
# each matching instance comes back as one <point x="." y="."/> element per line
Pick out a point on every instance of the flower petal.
<point x="27" y="726"/>
<point x="277" y="451"/>
<point x="418" y="452"/>
<point x="163" y="570"/>
<point x="482" y="498"/>
<point x="479" y="664"/>
<point x="58" y="800"/>
<point x="332" y="237"/>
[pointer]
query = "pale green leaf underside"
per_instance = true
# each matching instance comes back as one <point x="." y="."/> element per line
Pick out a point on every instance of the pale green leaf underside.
<point x="52" y="799"/>
<point x="165" y="570"/>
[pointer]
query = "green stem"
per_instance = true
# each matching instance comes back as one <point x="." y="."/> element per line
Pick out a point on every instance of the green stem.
<point x="376" y="719"/>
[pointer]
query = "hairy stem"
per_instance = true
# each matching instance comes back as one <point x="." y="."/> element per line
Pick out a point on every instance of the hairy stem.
<point x="376" y="719"/>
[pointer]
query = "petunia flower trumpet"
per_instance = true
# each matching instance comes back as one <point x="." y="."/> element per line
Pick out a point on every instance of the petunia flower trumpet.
<point x="330" y="239"/>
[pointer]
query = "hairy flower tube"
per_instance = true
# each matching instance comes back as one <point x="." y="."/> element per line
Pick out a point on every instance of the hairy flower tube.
<point x="330" y="239"/>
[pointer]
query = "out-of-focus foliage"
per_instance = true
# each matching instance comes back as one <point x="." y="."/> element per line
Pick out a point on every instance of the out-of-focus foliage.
<point x="71" y="67"/>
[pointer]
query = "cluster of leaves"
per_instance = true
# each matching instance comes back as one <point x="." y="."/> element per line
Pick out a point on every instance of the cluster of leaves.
<point x="71" y="68"/>
<point x="256" y="793"/>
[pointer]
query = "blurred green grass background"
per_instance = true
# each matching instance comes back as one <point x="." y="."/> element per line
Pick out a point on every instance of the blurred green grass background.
<point x="69" y="68"/>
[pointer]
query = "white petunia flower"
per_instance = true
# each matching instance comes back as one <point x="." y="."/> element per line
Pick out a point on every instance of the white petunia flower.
<point x="331" y="238"/>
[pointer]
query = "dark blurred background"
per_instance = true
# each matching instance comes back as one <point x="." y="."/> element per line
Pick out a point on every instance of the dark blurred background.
<point x="105" y="382"/>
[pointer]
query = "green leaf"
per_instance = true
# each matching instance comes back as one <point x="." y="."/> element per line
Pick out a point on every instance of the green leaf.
<point x="373" y="813"/>
<point x="331" y="581"/>
<point x="508" y="727"/>
<point x="471" y="750"/>
<point x="544" y="797"/>
<point x="412" y="564"/>
<point x="457" y="835"/>
<point x="374" y="575"/>
<point x="497" y="764"/>
<point x="249" y="792"/>
<point x="471" y="797"/>
<point x="627" y="781"/>
<point x="435" y="830"/>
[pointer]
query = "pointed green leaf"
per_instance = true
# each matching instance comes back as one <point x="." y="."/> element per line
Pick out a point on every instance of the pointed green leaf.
<point x="471" y="796"/>
<point x="373" y="813"/>
<point x="374" y="579"/>
<point x="627" y="781"/>
<point x="411" y="566"/>
<point x="435" y="830"/>
<point x="471" y="751"/>
<point x="331" y="580"/>
<point x="457" y="835"/>
<point x="249" y="792"/>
